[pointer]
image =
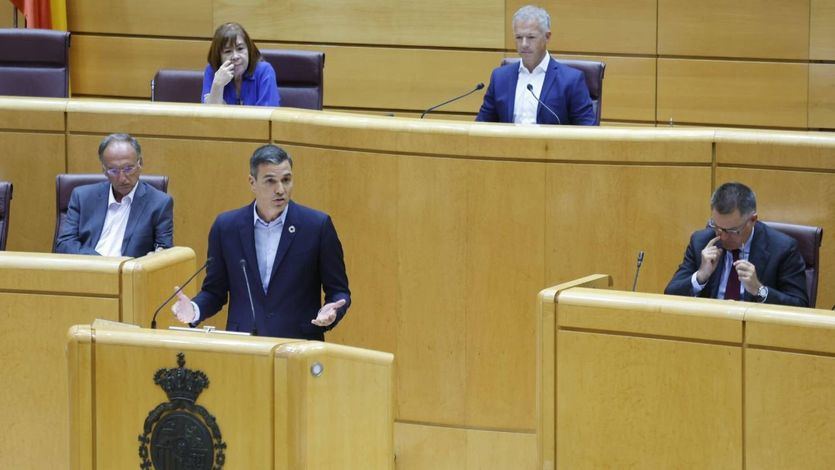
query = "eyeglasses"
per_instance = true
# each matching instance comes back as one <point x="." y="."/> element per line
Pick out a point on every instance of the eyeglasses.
<point x="125" y="170"/>
<point x="729" y="231"/>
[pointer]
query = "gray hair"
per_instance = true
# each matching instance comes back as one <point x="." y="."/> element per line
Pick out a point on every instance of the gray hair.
<point x="732" y="196"/>
<point x="120" y="138"/>
<point x="531" y="12"/>
<point x="269" y="153"/>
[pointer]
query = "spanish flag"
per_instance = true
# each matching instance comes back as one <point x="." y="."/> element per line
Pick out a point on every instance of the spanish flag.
<point x="44" y="14"/>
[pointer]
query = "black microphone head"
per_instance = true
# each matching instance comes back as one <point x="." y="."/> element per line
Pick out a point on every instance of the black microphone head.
<point x="479" y="86"/>
<point x="530" y="87"/>
<point x="243" y="263"/>
<point x="209" y="260"/>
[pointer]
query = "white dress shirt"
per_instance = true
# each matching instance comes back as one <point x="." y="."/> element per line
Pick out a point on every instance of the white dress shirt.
<point x="115" y="223"/>
<point x="525" y="105"/>
<point x="727" y="265"/>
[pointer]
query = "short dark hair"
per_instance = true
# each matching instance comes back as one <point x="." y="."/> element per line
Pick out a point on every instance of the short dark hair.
<point x="226" y="34"/>
<point x="120" y="138"/>
<point x="733" y="196"/>
<point x="269" y="153"/>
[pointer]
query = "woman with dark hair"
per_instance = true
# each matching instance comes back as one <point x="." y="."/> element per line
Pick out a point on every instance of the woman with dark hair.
<point x="236" y="74"/>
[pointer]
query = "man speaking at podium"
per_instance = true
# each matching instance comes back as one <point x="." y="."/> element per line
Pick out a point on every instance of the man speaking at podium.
<point x="516" y="90"/>
<point x="739" y="258"/>
<point x="272" y="258"/>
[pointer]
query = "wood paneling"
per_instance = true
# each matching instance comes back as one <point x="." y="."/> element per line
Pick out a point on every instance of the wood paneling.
<point x="625" y="402"/>
<point x="124" y="66"/>
<point x="745" y="28"/>
<point x="33" y="402"/>
<point x="7" y="12"/>
<point x="437" y="23"/>
<point x="780" y="150"/>
<point x="184" y="18"/>
<point x="628" y="87"/>
<point x="791" y="328"/>
<point x="587" y="208"/>
<point x="822" y="95"/>
<point x="796" y="197"/>
<point x="32" y="114"/>
<point x="736" y="93"/>
<point x="595" y="26"/>
<point x="822" y="34"/>
<point x="420" y="447"/>
<point x="31" y="161"/>
<point x="789" y="405"/>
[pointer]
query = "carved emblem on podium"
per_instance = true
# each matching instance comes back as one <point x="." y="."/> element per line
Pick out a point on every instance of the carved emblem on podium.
<point x="180" y="434"/>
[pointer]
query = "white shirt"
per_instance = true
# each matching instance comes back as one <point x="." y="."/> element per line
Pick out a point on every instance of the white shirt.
<point x="115" y="223"/>
<point x="727" y="265"/>
<point x="525" y="105"/>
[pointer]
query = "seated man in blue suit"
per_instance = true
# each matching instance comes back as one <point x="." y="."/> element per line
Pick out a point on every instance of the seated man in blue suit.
<point x="272" y="258"/>
<point x="739" y="258"/>
<point x="119" y="217"/>
<point x="563" y="89"/>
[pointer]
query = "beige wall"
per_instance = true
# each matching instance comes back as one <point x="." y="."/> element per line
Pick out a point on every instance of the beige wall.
<point x="745" y="63"/>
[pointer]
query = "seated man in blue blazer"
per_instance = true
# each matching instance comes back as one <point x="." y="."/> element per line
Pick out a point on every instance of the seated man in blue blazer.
<point x="119" y="217"/>
<point x="739" y="258"/>
<point x="561" y="88"/>
<point x="272" y="258"/>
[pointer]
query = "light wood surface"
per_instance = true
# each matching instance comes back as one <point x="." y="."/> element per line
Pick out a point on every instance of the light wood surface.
<point x="821" y="33"/>
<point x="7" y="12"/>
<point x="595" y="26"/>
<point x="789" y="409"/>
<point x="434" y="23"/>
<point x="149" y="280"/>
<point x="188" y="18"/>
<point x="822" y="95"/>
<point x="733" y="93"/>
<point x="420" y="447"/>
<point x="261" y="384"/>
<point x="745" y="28"/>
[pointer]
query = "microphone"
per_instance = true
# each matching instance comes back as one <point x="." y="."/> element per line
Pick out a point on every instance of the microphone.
<point x="154" y="318"/>
<point x="530" y="89"/>
<point x="251" y="304"/>
<point x="638" y="270"/>
<point x="477" y="87"/>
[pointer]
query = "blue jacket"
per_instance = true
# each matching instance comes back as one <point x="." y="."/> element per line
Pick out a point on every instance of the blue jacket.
<point x="258" y="89"/>
<point x="309" y="259"/>
<point x="564" y="91"/>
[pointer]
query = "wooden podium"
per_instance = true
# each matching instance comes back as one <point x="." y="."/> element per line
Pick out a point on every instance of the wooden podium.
<point x="217" y="400"/>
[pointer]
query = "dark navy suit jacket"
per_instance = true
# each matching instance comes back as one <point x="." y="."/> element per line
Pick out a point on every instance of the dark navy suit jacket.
<point x="150" y="224"/>
<point x="779" y="267"/>
<point x="309" y="259"/>
<point x="564" y="91"/>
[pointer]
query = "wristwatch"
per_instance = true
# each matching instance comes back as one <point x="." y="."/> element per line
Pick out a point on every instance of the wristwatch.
<point x="762" y="293"/>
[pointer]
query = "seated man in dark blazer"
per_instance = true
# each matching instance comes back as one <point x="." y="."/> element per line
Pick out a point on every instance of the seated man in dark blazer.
<point x="739" y="258"/>
<point x="281" y="253"/>
<point x="563" y="89"/>
<point x="119" y="217"/>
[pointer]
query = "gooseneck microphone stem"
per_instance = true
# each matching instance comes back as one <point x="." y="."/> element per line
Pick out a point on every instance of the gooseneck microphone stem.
<point x="638" y="270"/>
<point x="154" y="318"/>
<point x="477" y="87"/>
<point x="530" y="89"/>
<point x="249" y="292"/>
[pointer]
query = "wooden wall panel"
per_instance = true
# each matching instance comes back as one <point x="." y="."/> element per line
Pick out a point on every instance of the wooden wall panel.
<point x="183" y="18"/>
<point x="7" y="12"/>
<point x="735" y="93"/>
<point x="628" y="87"/>
<point x="418" y="447"/>
<point x="124" y="66"/>
<point x="437" y="23"/>
<point x="746" y="28"/>
<point x="616" y="395"/>
<point x="32" y="212"/>
<point x="610" y="211"/>
<point x="822" y="34"/>
<point x="410" y="78"/>
<point x="796" y="197"/>
<point x="33" y="403"/>
<point x="822" y="96"/>
<point x="599" y="26"/>
<point x="789" y="404"/>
